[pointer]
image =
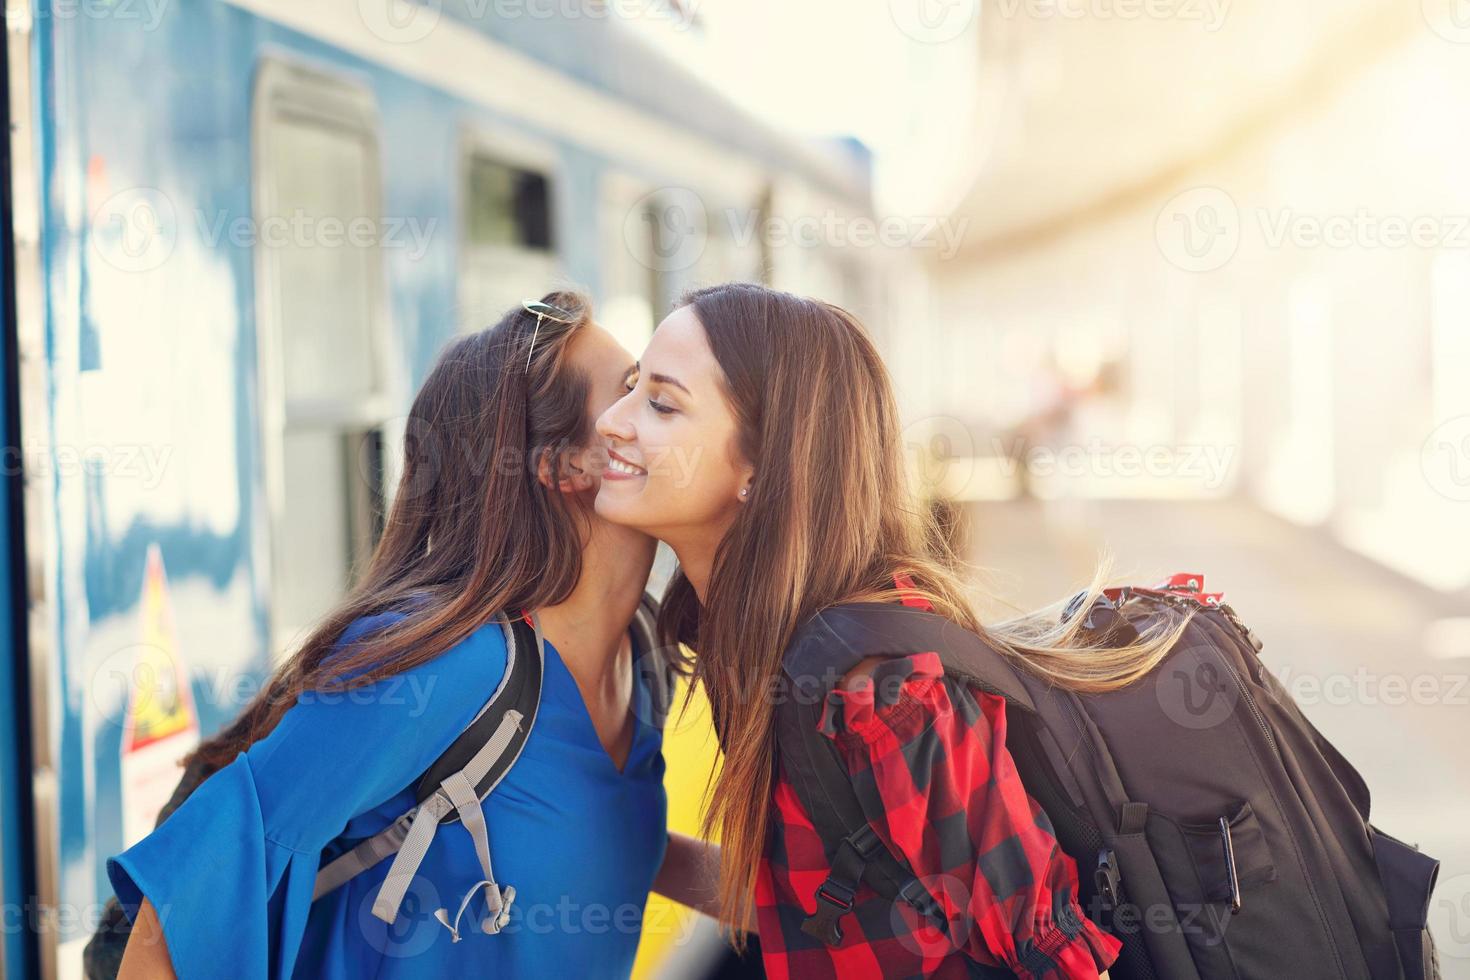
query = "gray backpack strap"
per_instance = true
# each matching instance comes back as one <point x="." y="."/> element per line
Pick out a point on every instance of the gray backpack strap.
<point x="453" y="787"/>
<point x="410" y="855"/>
<point x="343" y="869"/>
<point x="462" y="794"/>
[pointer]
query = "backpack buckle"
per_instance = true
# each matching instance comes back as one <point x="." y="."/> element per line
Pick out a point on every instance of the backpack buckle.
<point x="919" y="899"/>
<point x="834" y="900"/>
<point x="496" y="898"/>
<point x="499" y="918"/>
<point x="1108" y="879"/>
<point x="836" y="894"/>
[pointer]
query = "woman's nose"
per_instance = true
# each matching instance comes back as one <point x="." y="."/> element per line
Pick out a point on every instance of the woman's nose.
<point x="613" y="424"/>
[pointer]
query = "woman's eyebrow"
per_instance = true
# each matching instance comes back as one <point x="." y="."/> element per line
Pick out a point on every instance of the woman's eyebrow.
<point x="667" y="380"/>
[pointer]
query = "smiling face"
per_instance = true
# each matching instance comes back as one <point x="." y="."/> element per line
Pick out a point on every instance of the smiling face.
<point x="674" y="469"/>
<point x="597" y="356"/>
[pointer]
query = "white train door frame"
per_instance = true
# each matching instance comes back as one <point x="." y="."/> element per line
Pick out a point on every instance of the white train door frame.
<point x="322" y="325"/>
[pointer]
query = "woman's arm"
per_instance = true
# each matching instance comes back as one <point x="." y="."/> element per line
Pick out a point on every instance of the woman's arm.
<point x="146" y="955"/>
<point x="690" y="875"/>
<point x="255" y="829"/>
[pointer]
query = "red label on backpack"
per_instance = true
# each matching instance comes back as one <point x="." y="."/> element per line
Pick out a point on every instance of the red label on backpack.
<point x="905" y="583"/>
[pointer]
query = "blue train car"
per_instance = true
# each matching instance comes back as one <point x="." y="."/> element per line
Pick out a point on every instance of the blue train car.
<point x="236" y="234"/>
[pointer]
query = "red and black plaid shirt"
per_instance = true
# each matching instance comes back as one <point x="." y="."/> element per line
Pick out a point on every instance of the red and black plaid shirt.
<point x="934" y="778"/>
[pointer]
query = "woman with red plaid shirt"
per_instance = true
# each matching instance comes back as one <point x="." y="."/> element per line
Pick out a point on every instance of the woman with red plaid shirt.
<point x="759" y="438"/>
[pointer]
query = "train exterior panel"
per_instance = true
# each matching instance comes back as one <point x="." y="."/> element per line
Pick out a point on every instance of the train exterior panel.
<point x="241" y="232"/>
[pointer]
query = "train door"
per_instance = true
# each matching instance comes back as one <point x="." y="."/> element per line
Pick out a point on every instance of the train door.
<point x="322" y="318"/>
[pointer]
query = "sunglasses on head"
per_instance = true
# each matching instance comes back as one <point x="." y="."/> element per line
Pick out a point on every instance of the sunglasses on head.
<point x="543" y="311"/>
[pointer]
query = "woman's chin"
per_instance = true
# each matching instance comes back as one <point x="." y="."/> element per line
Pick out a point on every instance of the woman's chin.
<point x="613" y="505"/>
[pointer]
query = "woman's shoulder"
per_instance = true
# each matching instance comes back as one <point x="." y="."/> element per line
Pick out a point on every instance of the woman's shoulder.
<point x="481" y="652"/>
<point x="835" y="640"/>
<point x="446" y="689"/>
<point x="433" y="700"/>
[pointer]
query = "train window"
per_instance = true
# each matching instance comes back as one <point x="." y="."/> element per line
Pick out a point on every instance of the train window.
<point x="507" y="205"/>
<point x="321" y="317"/>
<point x="508" y="242"/>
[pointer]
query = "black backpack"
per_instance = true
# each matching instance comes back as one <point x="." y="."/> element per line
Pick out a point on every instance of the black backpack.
<point x="1217" y="834"/>
<point x="449" y="791"/>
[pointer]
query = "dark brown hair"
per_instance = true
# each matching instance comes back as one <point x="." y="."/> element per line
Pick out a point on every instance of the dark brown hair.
<point x="830" y="519"/>
<point x="471" y="530"/>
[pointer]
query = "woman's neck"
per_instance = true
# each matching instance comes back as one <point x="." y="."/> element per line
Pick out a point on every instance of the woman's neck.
<point x="697" y="558"/>
<point x="588" y="626"/>
<point x="696" y="568"/>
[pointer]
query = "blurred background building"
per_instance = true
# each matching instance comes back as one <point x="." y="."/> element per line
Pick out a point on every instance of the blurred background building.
<point x="1182" y="281"/>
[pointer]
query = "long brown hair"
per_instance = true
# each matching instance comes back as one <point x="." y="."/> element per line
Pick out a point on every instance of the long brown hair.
<point x="471" y="530"/>
<point x="830" y="519"/>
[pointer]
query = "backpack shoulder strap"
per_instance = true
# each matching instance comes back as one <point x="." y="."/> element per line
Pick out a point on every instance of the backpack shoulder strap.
<point x="652" y="662"/>
<point x="835" y="640"/>
<point x="452" y="788"/>
<point x="854" y="852"/>
<point x="492" y="742"/>
<point x="823" y="650"/>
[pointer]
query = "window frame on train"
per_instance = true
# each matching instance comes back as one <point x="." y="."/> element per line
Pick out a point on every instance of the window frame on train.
<point x="494" y="277"/>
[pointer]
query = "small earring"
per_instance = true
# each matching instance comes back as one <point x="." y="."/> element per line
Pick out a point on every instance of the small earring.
<point x="744" y="491"/>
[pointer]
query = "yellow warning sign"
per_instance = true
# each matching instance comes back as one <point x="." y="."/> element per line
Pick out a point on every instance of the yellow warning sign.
<point x="160" y="703"/>
<point x="161" y="724"/>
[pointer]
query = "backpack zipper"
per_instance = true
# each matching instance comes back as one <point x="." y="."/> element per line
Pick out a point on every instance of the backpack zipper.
<point x="1240" y="629"/>
<point x="1250" y="703"/>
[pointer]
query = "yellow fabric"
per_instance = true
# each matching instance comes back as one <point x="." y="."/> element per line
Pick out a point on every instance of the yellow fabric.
<point x="690" y="753"/>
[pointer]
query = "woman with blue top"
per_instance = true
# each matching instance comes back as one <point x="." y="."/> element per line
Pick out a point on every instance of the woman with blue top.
<point x="493" y="514"/>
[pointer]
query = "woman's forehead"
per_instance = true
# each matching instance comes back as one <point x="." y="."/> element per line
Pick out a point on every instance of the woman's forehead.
<point x="596" y="345"/>
<point x="679" y="340"/>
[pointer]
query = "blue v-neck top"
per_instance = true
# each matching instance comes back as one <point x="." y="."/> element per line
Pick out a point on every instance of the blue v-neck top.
<point x="231" y="871"/>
